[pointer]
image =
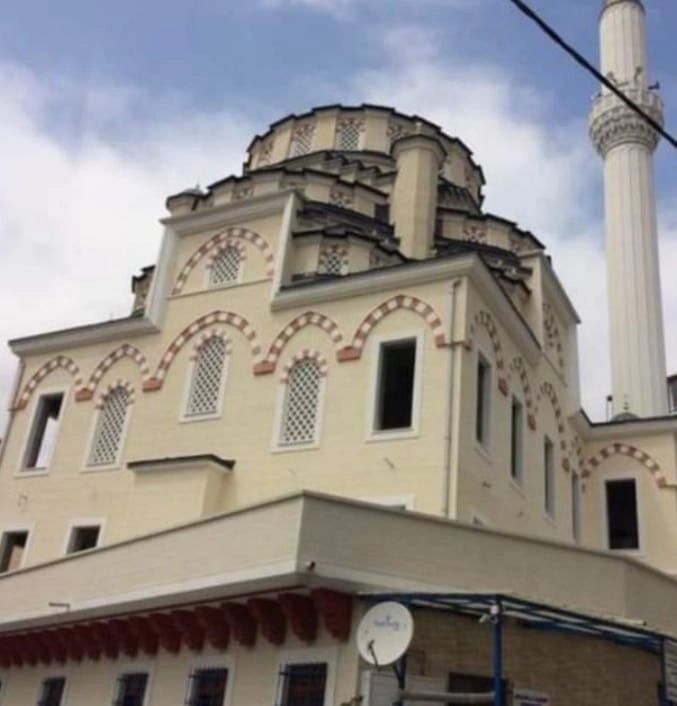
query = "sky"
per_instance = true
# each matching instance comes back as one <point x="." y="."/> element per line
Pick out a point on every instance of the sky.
<point x="106" y="108"/>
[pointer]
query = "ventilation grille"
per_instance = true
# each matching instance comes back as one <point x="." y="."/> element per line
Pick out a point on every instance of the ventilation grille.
<point x="109" y="428"/>
<point x="331" y="261"/>
<point x="302" y="140"/>
<point x="226" y="267"/>
<point x="349" y="136"/>
<point x="206" y="382"/>
<point x="301" y="404"/>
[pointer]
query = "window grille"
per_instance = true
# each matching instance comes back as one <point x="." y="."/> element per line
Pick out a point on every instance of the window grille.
<point x="109" y="428"/>
<point x="226" y="267"/>
<point x="52" y="691"/>
<point x="331" y="261"/>
<point x="206" y="382"/>
<point x="303" y="684"/>
<point x="131" y="689"/>
<point x="349" y="132"/>
<point x="207" y="687"/>
<point x="299" y="421"/>
<point x="302" y="140"/>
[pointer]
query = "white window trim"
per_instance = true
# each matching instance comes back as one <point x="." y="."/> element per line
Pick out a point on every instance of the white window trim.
<point x="213" y="662"/>
<point x="639" y="498"/>
<point x="21" y="470"/>
<point x="100" y="522"/>
<point x="328" y="655"/>
<point x="117" y="464"/>
<point x="370" y="433"/>
<point x="225" y="285"/>
<point x="276" y="446"/>
<point x="130" y="666"/>
<point x="24" y="527"/>
<point x="576" y="536"/>
<point x="193" y="418"/>
<point x="484" y="447"/>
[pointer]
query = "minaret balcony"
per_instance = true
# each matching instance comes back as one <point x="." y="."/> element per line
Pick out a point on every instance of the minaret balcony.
<point x="613" y="123"/>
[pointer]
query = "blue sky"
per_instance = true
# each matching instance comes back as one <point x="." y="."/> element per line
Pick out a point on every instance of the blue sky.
<point x="108" y="107"/>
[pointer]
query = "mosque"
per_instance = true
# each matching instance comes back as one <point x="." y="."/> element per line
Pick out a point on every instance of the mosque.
<point x="343" y="382"/>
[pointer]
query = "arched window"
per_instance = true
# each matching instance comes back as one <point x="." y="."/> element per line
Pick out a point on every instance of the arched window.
<point x="226" y="268"/>
<point x="109" y="428"/>
<point x="301" y="403"/>
<point x="205" y="385"/>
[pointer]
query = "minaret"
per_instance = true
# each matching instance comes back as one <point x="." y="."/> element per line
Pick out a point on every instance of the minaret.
<point x="627" y="143"/>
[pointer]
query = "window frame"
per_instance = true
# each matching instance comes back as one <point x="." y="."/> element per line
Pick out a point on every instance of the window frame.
<point x="623" y="476"/>
<point x="133" y="667"/>
<point x="372" y="434"/>
<point x="549" y="469"/>
<point x="88" y="467"/>
<point x="22" y="470"/>
<point x="516" y="460"/>
<point x="82" y="522"/>
<point x="310" y="655"/>
<point x="15" y="529"/>
<point x="53" y="674"/>
<point x="212" y="662"/>
<point x="208" y="285"/>
<point x="484" y="443"/>
<point x="576" y="508"/>
<point x="192" y="368"/>
<point x="280" y="407"/>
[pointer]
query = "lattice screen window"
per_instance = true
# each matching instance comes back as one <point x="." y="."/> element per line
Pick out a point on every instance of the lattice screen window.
<point x="302" y="140"/>
<point x="226" y="268"/>
<point x="349" y="132"/>
<point x="206" y="381"/>
<point x="332" y="261"/>
<point x="301" y="404"/>
<point x="109" y="428"/>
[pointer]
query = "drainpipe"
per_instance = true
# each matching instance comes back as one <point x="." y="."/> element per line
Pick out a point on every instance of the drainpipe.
<point x="449" y="413"/>
<point x="14" y="394"/>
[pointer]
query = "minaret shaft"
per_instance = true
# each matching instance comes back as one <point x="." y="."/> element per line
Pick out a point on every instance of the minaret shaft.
<point x="626" y="143"/>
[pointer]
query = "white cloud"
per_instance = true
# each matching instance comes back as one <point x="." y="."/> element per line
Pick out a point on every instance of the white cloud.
<point x="79" y="216"/>
<point x="348" y="9"/>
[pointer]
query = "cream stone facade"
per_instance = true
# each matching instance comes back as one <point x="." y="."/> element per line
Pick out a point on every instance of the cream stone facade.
<point x="341" y="378"/>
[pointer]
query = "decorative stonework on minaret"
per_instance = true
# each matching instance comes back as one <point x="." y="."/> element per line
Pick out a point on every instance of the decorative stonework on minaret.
<point x="626" y="143"/>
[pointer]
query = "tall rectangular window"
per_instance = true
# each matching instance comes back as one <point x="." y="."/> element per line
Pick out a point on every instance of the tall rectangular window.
<point x="575" y="507"/>
<point x="549" y="476"/>
<point x="516" y="439"/>
<point x="131" y="690"/>
<point x="12" y="549"/>
<point x="42" y="438"/>
<point x="303" y="684"/>
<point x="207" y="687"/>
<point x="483" y="401"/>
<point x="621" y="514"/>
<point x="51" y="691"/>
<point x="395" y="385"/>
<point x="82" y="538"/>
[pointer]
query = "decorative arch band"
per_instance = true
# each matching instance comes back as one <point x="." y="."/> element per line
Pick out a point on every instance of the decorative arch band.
<point x="305" y="354"/>
<point x="485" y="320"/>
<point x="59" y="361"/>
<point x="219" y="242"/>
<point x="618" y="448"/>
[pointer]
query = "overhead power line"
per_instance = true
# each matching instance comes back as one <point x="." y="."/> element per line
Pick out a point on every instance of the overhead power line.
<point x="580" y="59"/>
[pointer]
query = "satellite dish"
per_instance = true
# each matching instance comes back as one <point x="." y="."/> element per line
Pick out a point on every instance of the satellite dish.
<point x="384" y="633"/>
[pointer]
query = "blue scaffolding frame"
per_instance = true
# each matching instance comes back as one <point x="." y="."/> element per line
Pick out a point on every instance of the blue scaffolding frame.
<point x="498" y="606"/>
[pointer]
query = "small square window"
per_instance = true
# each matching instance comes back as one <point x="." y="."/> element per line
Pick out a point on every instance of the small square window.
<point x="207" y="687"/>
<point x="42" y="439"/>
<point x="51" y="691"/>
<point x="12" y="550"/>
<point x="131" y="689"/>
<point x="304" y="684"/>
<point x="83" y="538"/>
<point x="395" y="385"/>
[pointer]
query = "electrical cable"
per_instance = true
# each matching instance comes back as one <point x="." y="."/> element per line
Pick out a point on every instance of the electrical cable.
<point x="580" y="59"/>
